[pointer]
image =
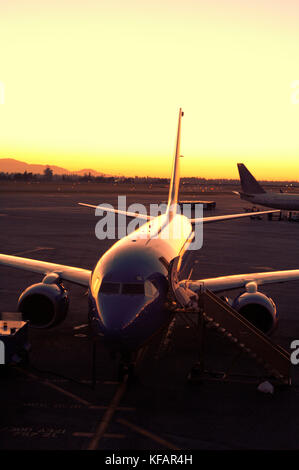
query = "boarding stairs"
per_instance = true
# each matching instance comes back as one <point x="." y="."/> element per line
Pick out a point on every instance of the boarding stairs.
<point x="213" y="312"/>
<point x="234" y="327"/>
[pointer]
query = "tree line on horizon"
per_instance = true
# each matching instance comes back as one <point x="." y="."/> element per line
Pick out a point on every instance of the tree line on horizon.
<point x="48" y="176"/>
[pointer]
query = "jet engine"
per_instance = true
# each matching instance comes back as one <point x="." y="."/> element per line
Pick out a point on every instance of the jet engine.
<point x="257" y="308"/>
<point x="45" y="304"/>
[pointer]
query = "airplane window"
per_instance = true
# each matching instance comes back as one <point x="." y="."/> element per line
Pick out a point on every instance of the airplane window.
<point x="109" y="288"/>
<point x="133" y="288"/>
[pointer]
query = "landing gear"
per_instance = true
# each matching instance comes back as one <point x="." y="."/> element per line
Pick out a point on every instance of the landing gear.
<point x="126" y="367"/>
<point x="125" y="370"/>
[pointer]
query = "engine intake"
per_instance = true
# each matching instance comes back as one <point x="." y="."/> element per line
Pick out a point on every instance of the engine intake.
<point x="258" y="309"/>
<point x="44" y="305"/>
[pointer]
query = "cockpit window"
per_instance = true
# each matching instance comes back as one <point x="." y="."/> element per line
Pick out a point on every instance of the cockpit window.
<point x="109" y="288"/>
<point x="133" y="288"/>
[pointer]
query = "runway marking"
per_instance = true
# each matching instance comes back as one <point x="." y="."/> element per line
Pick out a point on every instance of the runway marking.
<point x="53" y="405"/>
<point x="148" y="434"/>
<point x="80" y="326"/>
<point x="55" y="387"/>
<point x="61" y="380"/>
<point x="76" y="406"/>
<point x="49" y="432"/>
<point x="120" y="408"/>
<point x="107" y="435"/>
<point x="30" y="432"/>
<point x="101" y="429"/>
<point x="39" y="248"/>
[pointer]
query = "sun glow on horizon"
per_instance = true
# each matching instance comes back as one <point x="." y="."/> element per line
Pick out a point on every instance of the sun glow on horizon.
<point x="99" y="84"/>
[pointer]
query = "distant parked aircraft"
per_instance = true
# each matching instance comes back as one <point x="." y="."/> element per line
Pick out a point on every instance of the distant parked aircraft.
<point x="253" y="192"/>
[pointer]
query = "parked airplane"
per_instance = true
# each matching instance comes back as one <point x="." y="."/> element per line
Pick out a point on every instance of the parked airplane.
<point x="253" y="192"/>
<point x="130" y="284"/>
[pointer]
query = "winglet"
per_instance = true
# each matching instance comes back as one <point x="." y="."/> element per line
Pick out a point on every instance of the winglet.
<point x="175" y="175"/>
<point x="248" y="182"/>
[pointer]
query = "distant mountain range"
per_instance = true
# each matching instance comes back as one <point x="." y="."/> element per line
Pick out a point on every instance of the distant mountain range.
<point x="10" y="165"/>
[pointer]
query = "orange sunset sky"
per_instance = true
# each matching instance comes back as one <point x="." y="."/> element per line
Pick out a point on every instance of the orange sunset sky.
<point x="98" y="84"/>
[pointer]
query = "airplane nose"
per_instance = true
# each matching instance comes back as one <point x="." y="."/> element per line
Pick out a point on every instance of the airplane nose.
<point x="117" y="314"/>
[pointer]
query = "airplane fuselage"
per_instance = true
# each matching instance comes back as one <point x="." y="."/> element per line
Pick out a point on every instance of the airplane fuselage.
<point x="129" y="286"/>
<point x="281" y="201"/>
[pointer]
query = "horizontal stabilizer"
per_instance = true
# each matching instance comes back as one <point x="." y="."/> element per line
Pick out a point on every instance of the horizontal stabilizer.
<point x="118" y="211"/>
<point x="220" y="218"/>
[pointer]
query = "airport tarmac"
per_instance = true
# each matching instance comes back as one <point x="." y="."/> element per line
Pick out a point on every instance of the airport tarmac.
<point x="41" y="408"/>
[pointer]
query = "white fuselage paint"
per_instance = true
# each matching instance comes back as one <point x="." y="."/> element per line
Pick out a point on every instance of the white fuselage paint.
<point x="126" y="320"/>
<point x="164" y="236"/>
<point x="281" y="201"/>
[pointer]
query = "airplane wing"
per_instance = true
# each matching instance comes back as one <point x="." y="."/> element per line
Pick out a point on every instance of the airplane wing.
<point x="119" y="211"/>
<point x="218" y="284"/>
<point x="68" y="273"/>
<point x="220" y="218"/>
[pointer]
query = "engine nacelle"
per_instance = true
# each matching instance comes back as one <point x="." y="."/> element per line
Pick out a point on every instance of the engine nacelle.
<point x="44" y="305"/>
<point x="257" y="308"/>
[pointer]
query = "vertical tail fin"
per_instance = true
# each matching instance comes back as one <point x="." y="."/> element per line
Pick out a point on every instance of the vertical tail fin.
<point x="175" y="175"/>
<point x="249" y="184"/>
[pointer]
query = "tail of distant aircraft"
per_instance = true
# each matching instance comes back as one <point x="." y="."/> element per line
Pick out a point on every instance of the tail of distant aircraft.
<point x="175" y="175"/>
<point x="249" y="184"/>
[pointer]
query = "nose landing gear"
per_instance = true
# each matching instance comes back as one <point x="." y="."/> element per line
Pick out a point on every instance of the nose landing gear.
<point x="126" y="367"/>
